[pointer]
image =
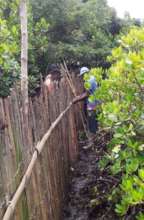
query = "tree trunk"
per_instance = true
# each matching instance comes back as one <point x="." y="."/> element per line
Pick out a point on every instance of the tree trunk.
<point x="24" y="57"/>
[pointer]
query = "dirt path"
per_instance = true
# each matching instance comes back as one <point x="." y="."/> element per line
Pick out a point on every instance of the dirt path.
<point x="88" y="190"/>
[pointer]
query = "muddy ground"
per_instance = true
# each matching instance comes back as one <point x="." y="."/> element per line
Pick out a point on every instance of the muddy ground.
<point x="89" y="187"/>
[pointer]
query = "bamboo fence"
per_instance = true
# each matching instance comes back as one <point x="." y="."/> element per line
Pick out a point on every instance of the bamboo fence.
<point x="69" y="79"/>
<point x="43" y="193"/>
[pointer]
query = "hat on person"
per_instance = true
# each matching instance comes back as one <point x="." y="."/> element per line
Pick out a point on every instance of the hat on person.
<point x="83" y="70"/>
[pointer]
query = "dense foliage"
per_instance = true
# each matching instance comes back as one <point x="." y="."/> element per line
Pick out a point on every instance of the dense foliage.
<point x="79" y="32"/>
<point x="10" y="46"/>
<point x="122" y="93"/>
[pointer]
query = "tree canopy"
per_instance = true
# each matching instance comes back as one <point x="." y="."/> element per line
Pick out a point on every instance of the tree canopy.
<point x="79" y="32"/>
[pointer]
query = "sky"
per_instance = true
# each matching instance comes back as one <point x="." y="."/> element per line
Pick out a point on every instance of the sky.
<point x="134" y="7"/>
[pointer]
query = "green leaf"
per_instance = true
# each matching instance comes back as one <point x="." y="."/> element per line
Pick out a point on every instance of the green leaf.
<point x="121" y="209"/>
<point x="140" y="216"/>
<point x="116" y="168"/>
<point x="127" y="184"/>
<point x="116" y="149"/>
<point x="141" y="174"/>
<point x="131" y="165"/>
<point x="112" y="117"/>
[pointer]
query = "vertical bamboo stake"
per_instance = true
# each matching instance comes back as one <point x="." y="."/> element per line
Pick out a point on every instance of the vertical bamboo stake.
<point x="26" y="178"/>
<point x="70" y="82"/>
<point x="24" y="57"/>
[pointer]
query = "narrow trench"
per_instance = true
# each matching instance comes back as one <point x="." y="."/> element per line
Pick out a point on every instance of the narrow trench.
<point x="89" y="188"/>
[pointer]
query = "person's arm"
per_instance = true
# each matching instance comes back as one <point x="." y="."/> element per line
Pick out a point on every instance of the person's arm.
<point x="80" y="97"/>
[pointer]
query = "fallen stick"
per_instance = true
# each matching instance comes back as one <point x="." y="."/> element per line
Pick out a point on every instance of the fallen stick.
<point x="25" y="180"/>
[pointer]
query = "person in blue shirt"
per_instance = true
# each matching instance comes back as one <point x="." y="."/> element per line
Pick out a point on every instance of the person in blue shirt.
<point x="90" y="105"/>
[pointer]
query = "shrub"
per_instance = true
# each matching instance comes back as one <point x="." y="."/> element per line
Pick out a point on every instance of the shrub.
<point x="122" y="93"/>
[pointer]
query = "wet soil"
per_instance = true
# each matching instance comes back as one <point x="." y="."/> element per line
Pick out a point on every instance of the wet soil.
<point x="89" y="188"/>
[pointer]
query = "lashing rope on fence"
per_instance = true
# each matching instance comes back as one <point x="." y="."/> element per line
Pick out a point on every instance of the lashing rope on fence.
<point x="25" y="180"/>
